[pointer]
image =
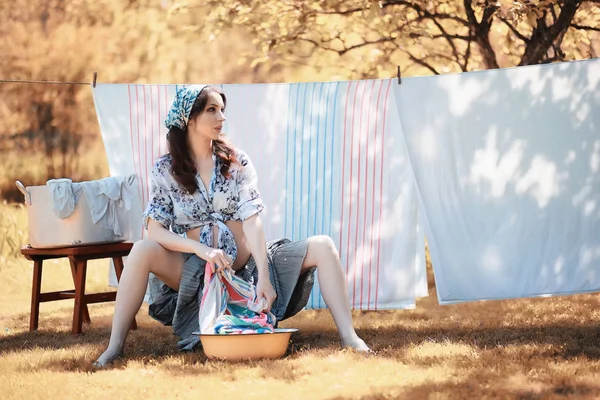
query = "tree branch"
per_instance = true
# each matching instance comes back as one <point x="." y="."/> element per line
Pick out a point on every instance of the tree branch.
<point x="457" y="37"/>
<point x="444" y="56"/>
<point x="513" y="29"/>
<point x="422" y="63"/>
<point x="470" y="13"/>
<point x="467" y="56"/>
<point x="487" y="18"/>
<point x="585" y="28"/>
<point x="440" y="17"/>
<point x="433" y="16"/>
<point x="553" y="13"/>
<point x="345" y="49"/>
<point x="340" y="12"/>
<point x="390" y="3"/>
<point x="449" y="40"/>
<point x="316" y="45"/>
<point x="424" y="12"/>
<point x="366" y="43"/>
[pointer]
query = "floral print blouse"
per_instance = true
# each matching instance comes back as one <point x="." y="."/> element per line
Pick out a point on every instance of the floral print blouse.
<point x="233" y="198"/>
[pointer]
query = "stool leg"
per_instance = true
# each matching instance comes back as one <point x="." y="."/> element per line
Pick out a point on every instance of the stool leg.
<point x="86" y="312"/>
<point x="35" y="295"/>
<point x="81" y="266"/>
<point x="118" y="262"/>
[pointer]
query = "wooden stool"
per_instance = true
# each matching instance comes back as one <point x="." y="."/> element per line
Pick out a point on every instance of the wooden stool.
<point x="78" y="257"/>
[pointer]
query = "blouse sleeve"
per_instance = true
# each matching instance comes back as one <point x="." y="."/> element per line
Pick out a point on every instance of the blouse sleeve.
<point x="160" y="205"/>
<point x="249" y="202"/>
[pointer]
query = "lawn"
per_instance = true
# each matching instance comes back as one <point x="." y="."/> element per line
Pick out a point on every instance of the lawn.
<point x="525" y="349"/>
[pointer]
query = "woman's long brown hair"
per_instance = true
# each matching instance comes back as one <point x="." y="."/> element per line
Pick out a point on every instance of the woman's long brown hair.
<point x="183" y="168"/>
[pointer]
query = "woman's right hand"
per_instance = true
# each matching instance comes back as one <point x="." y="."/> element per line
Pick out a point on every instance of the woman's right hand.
<point x="213" y="256"/>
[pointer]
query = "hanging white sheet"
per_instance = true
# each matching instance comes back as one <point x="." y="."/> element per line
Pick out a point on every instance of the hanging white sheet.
<point x="507" y="164"/>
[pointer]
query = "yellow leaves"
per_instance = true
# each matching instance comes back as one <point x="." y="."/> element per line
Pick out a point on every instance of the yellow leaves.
<point x="372" y="10"/>
<point x="258" y="61"/>
<point x="314" y="6"/>
<point x="444" y="8"/>
<point x="585" y="39"/>
<point x="176" y="8"/>
<point x="532" y="19"/>
<point x="545" y="3"/>
<point x="411" y="15"/>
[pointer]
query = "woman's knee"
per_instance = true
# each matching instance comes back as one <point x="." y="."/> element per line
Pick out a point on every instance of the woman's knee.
<point x="322" y="246"/>
<point x="146" y="247"/>
<point x="146" y="250"/>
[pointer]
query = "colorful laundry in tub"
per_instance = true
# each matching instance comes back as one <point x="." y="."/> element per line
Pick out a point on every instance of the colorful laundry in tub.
<point x="230" y="306"/>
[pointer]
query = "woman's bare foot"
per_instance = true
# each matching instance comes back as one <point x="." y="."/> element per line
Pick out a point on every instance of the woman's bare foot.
<point x="107" y="358"/>
<point x="356" y="343"/>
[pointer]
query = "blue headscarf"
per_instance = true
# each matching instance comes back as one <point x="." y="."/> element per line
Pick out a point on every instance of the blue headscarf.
<point x="179" y="114"/>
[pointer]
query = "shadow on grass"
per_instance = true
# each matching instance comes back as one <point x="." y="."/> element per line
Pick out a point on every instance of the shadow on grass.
<point x="151" y="345"/>
<point x="472" y="389"/>
<point x="567" y="341"/>
<point x="154" y="344"/>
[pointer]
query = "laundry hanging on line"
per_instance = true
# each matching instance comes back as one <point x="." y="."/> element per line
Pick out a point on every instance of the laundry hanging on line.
<point x="329" y="161"/>
<point x="507" y="166"/>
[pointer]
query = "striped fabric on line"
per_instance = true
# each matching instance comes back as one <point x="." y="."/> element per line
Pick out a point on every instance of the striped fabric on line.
<point x="335" y="138"/>
<point x="338" y="128"/>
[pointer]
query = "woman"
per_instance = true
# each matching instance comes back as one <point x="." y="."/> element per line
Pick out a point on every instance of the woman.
<point x="207" y="190"/>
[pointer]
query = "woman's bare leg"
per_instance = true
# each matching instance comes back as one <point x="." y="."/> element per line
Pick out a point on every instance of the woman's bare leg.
<point x="146" y="256"/>
<point x="323" y="254"/>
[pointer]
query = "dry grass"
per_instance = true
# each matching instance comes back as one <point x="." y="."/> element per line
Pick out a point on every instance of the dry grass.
<point x="524" y="349"/>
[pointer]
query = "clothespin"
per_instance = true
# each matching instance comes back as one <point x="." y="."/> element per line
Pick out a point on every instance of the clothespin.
<point x="96" y="76"/>
<point x="399" y="76"/>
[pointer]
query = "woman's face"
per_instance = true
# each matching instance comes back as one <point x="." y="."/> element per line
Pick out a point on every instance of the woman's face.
<point x="209" y="123"/>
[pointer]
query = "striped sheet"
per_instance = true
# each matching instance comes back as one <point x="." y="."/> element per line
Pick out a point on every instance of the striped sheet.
<point x="329" y="162"/>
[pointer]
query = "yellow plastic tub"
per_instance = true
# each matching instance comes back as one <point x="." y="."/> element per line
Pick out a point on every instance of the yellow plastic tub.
<point x="250" y="346"/>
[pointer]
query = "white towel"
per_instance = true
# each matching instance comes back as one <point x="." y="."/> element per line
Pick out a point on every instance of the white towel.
<point x="63" y="197"/>
<point x="104" y="197"/>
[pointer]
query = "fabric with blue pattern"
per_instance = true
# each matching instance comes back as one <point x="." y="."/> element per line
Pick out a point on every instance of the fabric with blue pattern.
<point x="179" y="114"/>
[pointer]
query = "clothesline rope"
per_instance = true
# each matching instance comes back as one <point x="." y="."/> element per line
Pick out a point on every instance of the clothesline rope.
<point x="93" y="83"/>
<point x="51" y="82"/>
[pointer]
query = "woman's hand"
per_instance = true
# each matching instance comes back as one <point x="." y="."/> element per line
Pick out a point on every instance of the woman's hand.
<point x="217" y="257"/>
<point x="265" y="290"/>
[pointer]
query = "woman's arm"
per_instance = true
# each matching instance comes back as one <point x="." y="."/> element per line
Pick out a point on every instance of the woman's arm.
<point x="249" y="206"/>
<point x="255" y="238"/>
<point x="172" y="241"/>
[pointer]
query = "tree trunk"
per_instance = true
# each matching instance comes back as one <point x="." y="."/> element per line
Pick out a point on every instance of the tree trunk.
<point x="543" y="36"/>
<point x="487" y="52"/>
<point x="481" y="32"/>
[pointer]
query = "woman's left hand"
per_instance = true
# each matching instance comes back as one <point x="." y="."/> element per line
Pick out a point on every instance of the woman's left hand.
<point x="265" y="290"/>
